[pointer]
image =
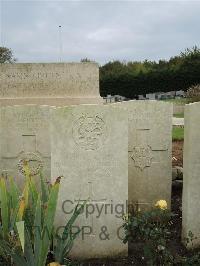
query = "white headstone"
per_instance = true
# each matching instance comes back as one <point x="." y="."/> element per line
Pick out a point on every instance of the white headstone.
<point x="24" y="136"/>
<point x="89" y="148"/>
<point x="151" y="96"/>
<point x="191" y="173"/>
<point x="149" y="152"/>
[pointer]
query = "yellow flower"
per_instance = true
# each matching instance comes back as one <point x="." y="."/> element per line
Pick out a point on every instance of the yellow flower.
<point x="54" y="264"/>
<point x="161" y="204"/>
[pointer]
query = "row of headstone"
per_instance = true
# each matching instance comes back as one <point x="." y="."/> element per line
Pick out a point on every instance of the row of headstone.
<point x="191" y="175"/>
<point x="108" y="155"/>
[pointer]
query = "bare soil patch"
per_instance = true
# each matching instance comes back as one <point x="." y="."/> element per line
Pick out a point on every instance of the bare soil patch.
<point x="177" y="153"/>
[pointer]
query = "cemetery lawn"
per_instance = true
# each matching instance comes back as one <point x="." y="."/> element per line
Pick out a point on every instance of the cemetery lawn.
<point x="179" y="115"/>
<point x="178" y="133"/>
<point x="181" y="101"/>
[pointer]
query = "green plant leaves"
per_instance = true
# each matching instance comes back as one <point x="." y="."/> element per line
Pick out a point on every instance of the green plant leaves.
<point x="27" y="222"/>
<point x="4" y="208"/>
<point x="64" y="242"/>
<point x="151" y="229"/>
<point x="47" y="229"/>
<point x="20" y="230"/>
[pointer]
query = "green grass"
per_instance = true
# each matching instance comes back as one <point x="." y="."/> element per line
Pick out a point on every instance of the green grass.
<point x="179" y="115"/>
<point x="178" y="133"/>
<point x="181" y="101"/>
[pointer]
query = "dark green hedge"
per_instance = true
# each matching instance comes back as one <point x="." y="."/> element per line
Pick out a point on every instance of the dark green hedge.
<point x="134" y="78"/>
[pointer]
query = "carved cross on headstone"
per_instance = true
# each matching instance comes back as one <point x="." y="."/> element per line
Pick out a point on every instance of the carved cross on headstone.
<point x="29" y="143"/>
<point x="149" y="153"/>
<point x="91" y="200"/>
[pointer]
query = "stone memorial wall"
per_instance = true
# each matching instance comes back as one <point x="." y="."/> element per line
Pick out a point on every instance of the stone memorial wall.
<point x="49" y="84"/>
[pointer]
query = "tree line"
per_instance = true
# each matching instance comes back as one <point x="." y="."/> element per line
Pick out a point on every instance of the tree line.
<point x="130" y="79"/>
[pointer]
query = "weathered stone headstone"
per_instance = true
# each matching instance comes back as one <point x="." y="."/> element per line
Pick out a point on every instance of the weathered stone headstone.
<point x="24" y="137"/>
<point x="51" y="84"/>
<point x="149" y="152"/>
<point x="191" y="173"/>
<point x="89" y="148"/>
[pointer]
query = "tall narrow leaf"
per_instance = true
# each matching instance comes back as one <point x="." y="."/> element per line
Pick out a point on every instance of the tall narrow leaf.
<point x="4" y="208"/>
<point x="48" y="223"/>
<point x="44" y="189"/>
<point x="14" y="192"/>
<point x="26" y="193"/>
<point x="21" y="209"/>
<point x="64" y="243"/>
<point x="28" y="249"/>
<point x="33" y="192"/>
<point x="14" y="217"/>
<point x="38" y="230"/>
<point x="20" y="230"/>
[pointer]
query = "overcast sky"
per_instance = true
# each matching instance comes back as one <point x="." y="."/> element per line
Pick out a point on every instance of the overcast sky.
<point x="99" y="30"/>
